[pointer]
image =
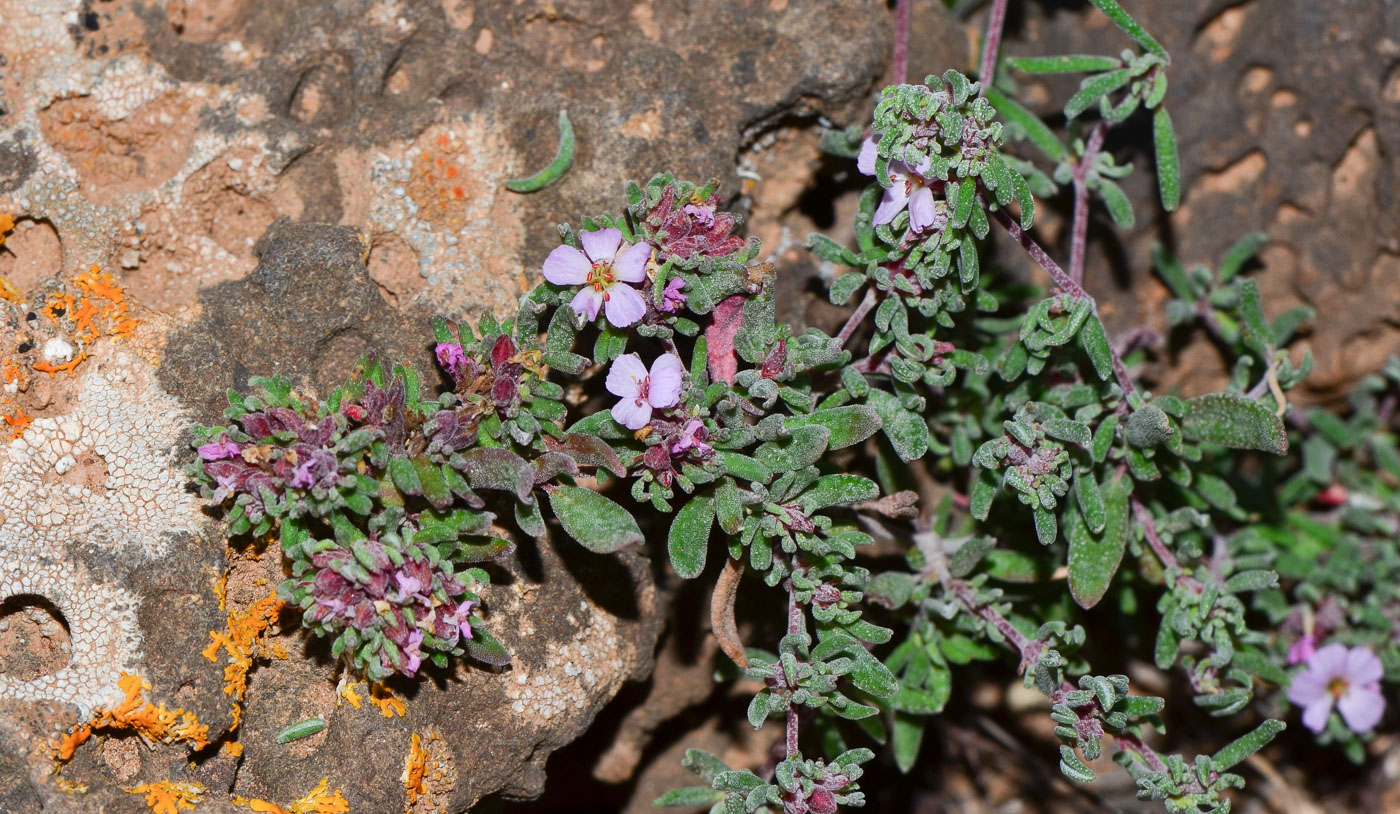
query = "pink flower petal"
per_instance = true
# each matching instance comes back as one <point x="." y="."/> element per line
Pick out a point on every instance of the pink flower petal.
<point x="587" y="302"/>
<point x="1330" y="660"/>
<point x="1308" y="686"/>
<point x="1363" y="667"/>
<point x="896" y="198"/>
<point x="601" y="246"/>
<point x="624" y="306"/>
<point x="1362" y="707"/>
<point x="1315" y="714"/>
<point x="869" y="151"/>
<point x="631" y="263"/>
<point x="632" y="413"/>
<point x="625" y="376"/>
<point x="666" y="375"/>
<point x="922" y="213"/>
<point x="566" y="266"/>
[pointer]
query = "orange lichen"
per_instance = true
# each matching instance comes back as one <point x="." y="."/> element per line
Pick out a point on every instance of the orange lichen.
<point x="244" y="640"/>
<point x="234" y="748"/>
<point x="389" y="704"/>
<point x="135" y="714"/>
<point x="17" y="422"/>
<point x="66" y="367"/>
<point x="317" y="801"/>
<point x="7" y="222"/>
<point x="7" y="288"/>
<point x="417" y="768"/>
<point x="168" y="796"/>
<point x="346" y="690"/>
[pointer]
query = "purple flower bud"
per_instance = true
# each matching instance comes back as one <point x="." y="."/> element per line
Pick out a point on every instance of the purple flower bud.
<point x="450" y="356"/>
<point x="219" y="450"/>
<point x="672" y="298"/>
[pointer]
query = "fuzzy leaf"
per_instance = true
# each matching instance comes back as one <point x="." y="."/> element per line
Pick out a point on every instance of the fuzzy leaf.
<point x="1168" y="162"/>
<point x="849" y="425"/>
<point x="1234" y="421"/>
<point x="1094" y="559"/>
<point x="501" y="469"/>
<point x="837" y="490"/>
<point x="1068" y="63"/>
<point x="563" y="158"/>
<point x="1243" y="747"/>
<point x="688" y="796"/>
<point x="593" y="520"/>
<point x="803" y="447"/>
<point x="689" y="539"/>
<point x="1095" y="343"/>
<point x="1095" y="87"/>
<point x="1130" y="26"/>
<point x="906" y="431"/>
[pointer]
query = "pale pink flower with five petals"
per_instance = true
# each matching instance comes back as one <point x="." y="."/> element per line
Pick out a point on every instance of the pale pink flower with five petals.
<point x="907" y="189"/>
<point x="642" y="391"/>
<point x="1347" y="677"/>
<point x="604" y="272"/>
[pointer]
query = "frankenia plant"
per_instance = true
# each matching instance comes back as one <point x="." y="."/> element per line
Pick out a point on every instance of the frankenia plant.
<point x="994" y="432"/>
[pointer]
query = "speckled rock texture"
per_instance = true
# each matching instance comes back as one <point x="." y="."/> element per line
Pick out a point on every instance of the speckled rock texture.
<point x="206" y="190"/>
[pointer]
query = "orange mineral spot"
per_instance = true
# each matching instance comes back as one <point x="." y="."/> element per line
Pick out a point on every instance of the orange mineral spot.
<point x="136" y="714"/>
<point x="170" y="797"/>
<point x="319" y="800"/>
<point x="244" y="640"/>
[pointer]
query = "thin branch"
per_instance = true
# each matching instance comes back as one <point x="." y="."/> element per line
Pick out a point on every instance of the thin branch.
<point x="992" y="43"/>
<point x="1169" y="561"/>
<point x="722" y="612"/>
<point x="1067" y="284"/>
<point x="796" y="625"/>
<point x="856" y="318"/>
<point x="900" y="69"/>
<point x="1081" y="201"/>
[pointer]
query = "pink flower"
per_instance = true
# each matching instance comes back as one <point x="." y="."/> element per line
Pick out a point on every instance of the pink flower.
<point x="1348" y="678"/>
<point x="450" y="356"/>
<point x="219" y="450"/>
<point x="907" y="189"/>
<point x="672" y="299"/>
<point x="643" y="391"/>
<point x="408" y="586"/>
<point x="692" y="436"/>
<point x="603" y="272"/>
<point x="704" y="215"/>
<point x="413" y="652"/>
<point x="1302" y="650"/>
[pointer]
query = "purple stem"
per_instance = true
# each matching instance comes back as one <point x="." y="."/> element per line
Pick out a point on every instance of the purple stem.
<point x="1081" y="201"/>
<point x="796" y="624"/>
<point x="1169" y="561"/>
<point x="857" y="316"/>
<point x="900" y="69"/>
<point x="1067" y="284"/>
<point x="992" y="43"/>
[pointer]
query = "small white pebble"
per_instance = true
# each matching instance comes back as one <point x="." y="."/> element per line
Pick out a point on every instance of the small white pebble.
<point x="57" y="352"/>
<point x="62" y="465"/>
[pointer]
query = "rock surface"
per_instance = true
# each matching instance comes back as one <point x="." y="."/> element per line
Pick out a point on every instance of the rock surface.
<point x="159" y="142"/>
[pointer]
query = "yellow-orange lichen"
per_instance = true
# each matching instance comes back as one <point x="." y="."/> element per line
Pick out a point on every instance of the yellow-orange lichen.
<point x="7" y="222"/>
<point x="380" y="696"/>
<point x="17" y="421"/>
<point x="169" y="796"/>
<point x="135" y="714"/>
<point x="417" y="768"/>
<point x="319" y="800"/>
<point x="244" y="640"/>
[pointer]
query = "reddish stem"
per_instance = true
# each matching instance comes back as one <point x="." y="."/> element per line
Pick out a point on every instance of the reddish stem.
<point x="796" y="624"/>
<point x="1081" y="201"/>
<point x="995" y="21"/>
<point x="1169" y="561"/>
<point x="856" y="318"/>
<point x="900" y="68"/>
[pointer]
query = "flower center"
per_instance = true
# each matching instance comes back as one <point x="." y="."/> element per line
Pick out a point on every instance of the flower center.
<point x="1338" y="686"/>
<point x="643" y="389"/>
<point x="601" y="276"/>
